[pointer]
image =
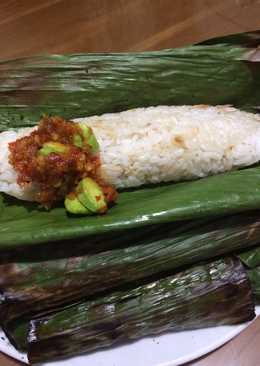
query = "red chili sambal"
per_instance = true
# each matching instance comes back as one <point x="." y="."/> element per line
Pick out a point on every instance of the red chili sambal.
<point x="56" y="174"/>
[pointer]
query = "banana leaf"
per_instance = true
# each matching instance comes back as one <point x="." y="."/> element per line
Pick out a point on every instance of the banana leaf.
<point x="254" y="277"/>
<point x="40" y="280"/>
<point x="248" y="39"/>
<point x="80" y="85"/>
<point x="251" y="258"/>
<point x="251" y="41"/>
<point x="24" y="224"/>
<point x="86" y="84"/>
<point x="212" y="294"/>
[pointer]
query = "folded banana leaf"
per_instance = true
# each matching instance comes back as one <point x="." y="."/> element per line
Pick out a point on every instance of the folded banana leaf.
<point x="80" y="85"/>
<point x="42" y="281"/>
<point x="251" y="258"/>
<point x="86" y="84"/>
<point x="25" y="225"/>
<point x="205" y="295"/>
<point x="254" y="277"/>
<point x="247" y="39"/>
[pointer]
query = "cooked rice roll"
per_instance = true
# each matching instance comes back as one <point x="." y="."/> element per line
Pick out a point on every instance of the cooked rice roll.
<point x="158" y="144"/>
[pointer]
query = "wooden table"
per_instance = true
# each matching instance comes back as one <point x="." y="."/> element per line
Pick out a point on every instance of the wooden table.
<point x="30" y="27"/>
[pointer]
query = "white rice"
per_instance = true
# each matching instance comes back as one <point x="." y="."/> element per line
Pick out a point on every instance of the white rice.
<point x="8" y="175"/>
<point x="160" y="144"/>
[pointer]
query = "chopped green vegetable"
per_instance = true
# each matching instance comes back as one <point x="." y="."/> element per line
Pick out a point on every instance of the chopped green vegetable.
<point x="92" y="141"/>
<point x="74" y="206"/>
<point x="91" y="195"/>
<point x="77" y="140"/>
<point x="89" y="137"/>
<point x="53" y="147"/>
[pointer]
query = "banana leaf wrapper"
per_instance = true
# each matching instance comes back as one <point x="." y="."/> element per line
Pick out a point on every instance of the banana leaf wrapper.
<point x="246" y="39"/>
<point x="24" y="106"/>
<point x="85" y="84"/>
<point x="205" y="295"/>
<point x="254" y="277"/>
<point x="25" y="225"/>
<point x="43" y="280"/>
<point x="251" y="258"/>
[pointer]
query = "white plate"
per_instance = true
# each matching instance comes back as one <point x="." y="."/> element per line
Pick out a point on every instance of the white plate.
<point x="170" y="349"/>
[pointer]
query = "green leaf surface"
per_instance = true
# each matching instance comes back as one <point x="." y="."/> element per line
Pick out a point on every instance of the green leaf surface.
<point x="48" y="276"/>
<point x="251" y="258"/>
<point x="85" y="84"/>
<point x="24" y="223"/>
<point x="254" y="277"/>
<point x="205" y="295"/>
<point x="248" y="39"/>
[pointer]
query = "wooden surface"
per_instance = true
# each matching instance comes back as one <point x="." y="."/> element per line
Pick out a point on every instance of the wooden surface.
<point x="30" y="27"/>
<point x="38" y="26"/>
